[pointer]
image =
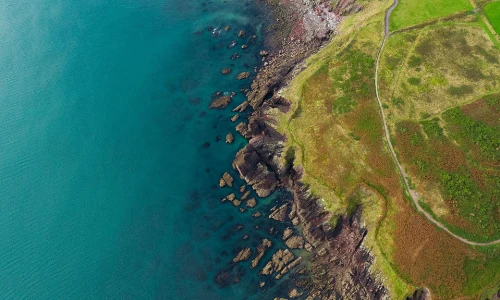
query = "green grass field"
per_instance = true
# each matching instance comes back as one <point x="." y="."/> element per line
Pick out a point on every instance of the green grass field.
<point x="492" y="11"/>
<point x="410" y="12"/>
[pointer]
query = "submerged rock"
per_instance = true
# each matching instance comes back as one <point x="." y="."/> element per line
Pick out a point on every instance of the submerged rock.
<point x="229" y="276"/>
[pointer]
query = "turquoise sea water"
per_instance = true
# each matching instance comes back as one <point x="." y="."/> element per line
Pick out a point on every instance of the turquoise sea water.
<point x="106" y="189"/>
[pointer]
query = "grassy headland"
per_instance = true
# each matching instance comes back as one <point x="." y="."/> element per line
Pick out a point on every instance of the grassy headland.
<point x="335" y="131"/>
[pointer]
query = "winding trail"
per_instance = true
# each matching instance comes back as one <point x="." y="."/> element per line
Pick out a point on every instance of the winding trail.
<point x="413" y="194"/>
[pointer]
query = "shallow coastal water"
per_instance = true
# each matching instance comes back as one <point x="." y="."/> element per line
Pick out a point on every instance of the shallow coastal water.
<point x="106" y="181"/>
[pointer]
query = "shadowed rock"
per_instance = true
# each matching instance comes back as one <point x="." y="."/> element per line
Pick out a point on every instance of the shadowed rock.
<point x="421" y="294"/>
<point x="279" y="214"/>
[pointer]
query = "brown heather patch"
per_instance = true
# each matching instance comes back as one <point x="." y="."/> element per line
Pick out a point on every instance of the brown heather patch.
<point x="481" y="111"/>
<point x="429" y="257"/>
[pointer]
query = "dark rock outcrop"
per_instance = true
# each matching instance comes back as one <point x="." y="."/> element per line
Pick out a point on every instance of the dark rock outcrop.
<point x="421" y="294"/>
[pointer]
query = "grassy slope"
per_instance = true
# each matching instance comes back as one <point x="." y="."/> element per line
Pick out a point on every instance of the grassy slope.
<point x="492" y="11"/>
<point x="411" y="12"/>
<point x="335" y="129"/>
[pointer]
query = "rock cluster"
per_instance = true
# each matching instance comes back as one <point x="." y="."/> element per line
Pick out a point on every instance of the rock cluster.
<point x="295" y="242"/>
<point x="261" y="250"/>
<point x="279" y="260"/>
<point x="226" y="179"/>
<point x="294" y="293"/>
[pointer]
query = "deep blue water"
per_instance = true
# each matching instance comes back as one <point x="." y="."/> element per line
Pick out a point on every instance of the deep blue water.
<point x="106" y="190"/>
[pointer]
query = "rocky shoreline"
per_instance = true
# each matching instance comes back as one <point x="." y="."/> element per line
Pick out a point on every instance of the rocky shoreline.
<point x="338" y="266"/>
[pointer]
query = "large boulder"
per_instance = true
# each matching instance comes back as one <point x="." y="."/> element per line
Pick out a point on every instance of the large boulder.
<point x="220" y="102"/>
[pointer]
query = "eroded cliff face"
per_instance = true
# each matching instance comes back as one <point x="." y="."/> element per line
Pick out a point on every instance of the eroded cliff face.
<point x="339" y="266"/>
